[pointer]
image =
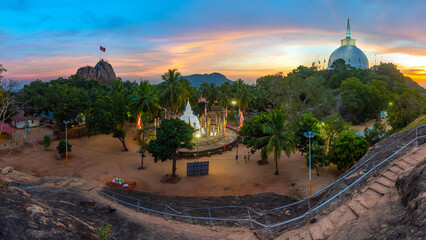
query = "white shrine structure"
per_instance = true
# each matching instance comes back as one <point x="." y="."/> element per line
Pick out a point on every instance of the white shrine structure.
<point x="189" y="117"/>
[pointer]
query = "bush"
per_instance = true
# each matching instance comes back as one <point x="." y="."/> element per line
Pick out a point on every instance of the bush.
<point x="46" y="141"/>
<point x="347" y="149"/>
<point x="62" y="147"/>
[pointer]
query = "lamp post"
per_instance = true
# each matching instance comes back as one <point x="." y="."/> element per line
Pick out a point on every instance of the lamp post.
<point x="310" y="135"/>
<point x="66" y="143"/>
<point x="234" y="103"/>
<point x="198" y="155"/>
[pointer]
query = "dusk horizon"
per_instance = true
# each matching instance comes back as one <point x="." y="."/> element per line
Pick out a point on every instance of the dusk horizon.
<point x="143" y="40"/>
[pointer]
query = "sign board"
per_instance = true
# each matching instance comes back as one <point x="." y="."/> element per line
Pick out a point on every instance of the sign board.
<point x="195" y="169"/>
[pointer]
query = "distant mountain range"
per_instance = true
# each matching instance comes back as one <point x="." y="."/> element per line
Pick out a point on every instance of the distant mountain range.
<point x="216" y="78"/>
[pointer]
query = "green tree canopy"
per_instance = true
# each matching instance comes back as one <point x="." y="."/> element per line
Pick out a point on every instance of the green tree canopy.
<point x="347" y="149"/>
<point x="172" y="135"/>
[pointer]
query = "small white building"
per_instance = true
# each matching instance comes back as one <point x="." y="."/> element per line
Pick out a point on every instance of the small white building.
<point x="189" y="117"/>
<point x="19" y="120"/>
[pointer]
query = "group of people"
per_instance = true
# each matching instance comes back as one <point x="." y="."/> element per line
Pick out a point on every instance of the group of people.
<point x="246" y="158"/>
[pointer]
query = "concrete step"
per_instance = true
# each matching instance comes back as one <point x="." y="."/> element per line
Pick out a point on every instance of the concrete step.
<point x="396" y="169"/>
<point x="369" y="198"/>
<point x="390" y="175"/>
<point x="385" y="182"/>
<point x="403" y="165"/>
<point x="379" y="188"/>
<point x="356" y="207"/>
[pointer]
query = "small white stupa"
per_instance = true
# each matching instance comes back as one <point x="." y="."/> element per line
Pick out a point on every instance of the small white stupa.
<point x="189" y="117"/>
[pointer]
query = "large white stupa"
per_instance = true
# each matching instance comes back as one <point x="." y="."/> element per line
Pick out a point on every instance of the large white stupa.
<point x="349" y="52"/>
<point x="189" y="117"/>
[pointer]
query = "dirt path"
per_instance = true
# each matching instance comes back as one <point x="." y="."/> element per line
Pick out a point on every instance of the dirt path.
<point x="100" y="159"/>
<point x="374" y="197"/>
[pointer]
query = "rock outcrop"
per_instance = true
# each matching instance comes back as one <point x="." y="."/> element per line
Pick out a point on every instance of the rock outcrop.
<point x="103" y="72"/>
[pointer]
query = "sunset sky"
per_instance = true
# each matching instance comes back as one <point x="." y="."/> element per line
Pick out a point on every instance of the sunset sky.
<point x="41" y="39"/>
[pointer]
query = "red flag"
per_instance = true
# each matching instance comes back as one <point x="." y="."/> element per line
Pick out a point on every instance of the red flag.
<point x="313" y="64"/>
<point x="226" y="113"/>
<point x="205" y="110"/>
<point x="102" y="49"/>
<point x="319" y="62"/>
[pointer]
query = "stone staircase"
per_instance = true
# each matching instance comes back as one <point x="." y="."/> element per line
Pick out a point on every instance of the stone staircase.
<point x="376" y="192"/>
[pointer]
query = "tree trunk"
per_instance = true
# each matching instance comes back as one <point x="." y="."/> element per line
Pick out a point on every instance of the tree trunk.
<point x="174" y="169"/>
<point x="276" y="165"/>
<point x="317" y="170"/>
<point x="123" y="141"/>
<point x="142" y="151"/>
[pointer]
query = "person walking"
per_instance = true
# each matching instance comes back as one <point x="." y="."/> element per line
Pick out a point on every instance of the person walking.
<point x="245" y="158"/>
<point x="248" y="156"/>
<point x="236" y="158"/>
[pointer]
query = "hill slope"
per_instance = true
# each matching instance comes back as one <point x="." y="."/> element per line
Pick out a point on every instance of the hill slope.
<point x="197" y="79"/>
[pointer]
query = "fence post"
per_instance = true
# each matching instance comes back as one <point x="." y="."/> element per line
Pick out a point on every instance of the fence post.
<point x="313" y="220"/>
<point x="267" y="224"/>
<point x="137" y="209"/>
<point x="251" y="223"/>
<point x="374" y="166"/>
<point x="417" y="137"/>
<point x="210" y="215"/>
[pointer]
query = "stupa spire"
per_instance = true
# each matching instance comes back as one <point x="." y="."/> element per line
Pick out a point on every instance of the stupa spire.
<point x="348" y="30"/>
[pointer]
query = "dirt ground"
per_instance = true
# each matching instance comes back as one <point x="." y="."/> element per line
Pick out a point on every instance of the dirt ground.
<point x="100" y="159"/>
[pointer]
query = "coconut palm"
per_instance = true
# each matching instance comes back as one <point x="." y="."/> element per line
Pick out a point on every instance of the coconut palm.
<point x="244" y="96"/>
<point x="171" y="91"/>
<point x="278" y="136"/>
<point x="224" y="94"/>
<point x="144" y="100"/>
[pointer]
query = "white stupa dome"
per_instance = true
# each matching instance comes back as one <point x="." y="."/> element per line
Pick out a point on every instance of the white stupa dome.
<point x="349" y="52"/>
<point x="189" y="117"/>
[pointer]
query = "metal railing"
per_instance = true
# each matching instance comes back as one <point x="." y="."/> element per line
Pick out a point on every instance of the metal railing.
<point x="279" y="216"/>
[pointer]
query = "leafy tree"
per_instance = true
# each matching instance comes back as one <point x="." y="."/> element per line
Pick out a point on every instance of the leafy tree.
<point x="378" y="97"/>
<point x="376" y="133"/>
<point x="318" y="157"/>
<point x="46" y="141"/>
<point x="332" y="126"/>
<point x="278" y="136"/>
<point x="107" y="115"/>
<point x="405" y="109"/>
<point x="66" y="102"/>
<point x="172" y="135"/>
<point x="346" y="149"/>
<point x="172" y="91"/>
<point x="62" y="147"/>
<point x="354" y="93"/>
<point x="251" y="133"/>
<point x="307" y="123"/>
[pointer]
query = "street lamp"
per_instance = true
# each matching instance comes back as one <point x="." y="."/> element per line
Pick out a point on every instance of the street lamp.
<point x="198" y="135"/>
<point x="310" y="135"/>
<point x="66" y="143"/>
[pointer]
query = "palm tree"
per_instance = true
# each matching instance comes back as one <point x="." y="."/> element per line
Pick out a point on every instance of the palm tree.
<point x="278" y="136"/>
<point x="211" y="93"/>
<point x="171" y="91"/>
<point x="144" y="100"/>
<point x="224" y="94"/>
<point x="244" y="96"/>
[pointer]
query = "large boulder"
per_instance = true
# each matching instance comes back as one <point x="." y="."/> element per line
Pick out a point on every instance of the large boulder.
<point x="103" y="72"/>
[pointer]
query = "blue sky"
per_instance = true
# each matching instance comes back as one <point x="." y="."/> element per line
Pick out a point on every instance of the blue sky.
<point x="241" y="39"/>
